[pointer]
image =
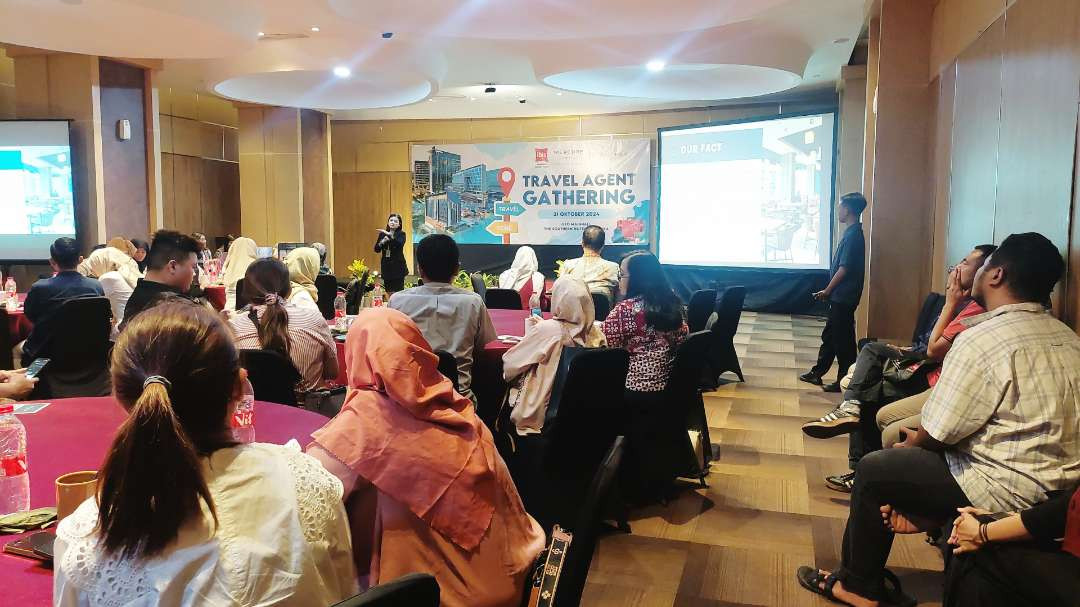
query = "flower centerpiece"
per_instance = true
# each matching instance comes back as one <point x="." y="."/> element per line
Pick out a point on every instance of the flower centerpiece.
<point x="359" y="270"/>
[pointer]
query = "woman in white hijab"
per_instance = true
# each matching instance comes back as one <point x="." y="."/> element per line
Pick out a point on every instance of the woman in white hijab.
<point x="118" y="274"/>
<point x="241" y="254"/>
<point x="531" y="364"/>
<point x="524" y="277"/>
<point x="303" y="264"/>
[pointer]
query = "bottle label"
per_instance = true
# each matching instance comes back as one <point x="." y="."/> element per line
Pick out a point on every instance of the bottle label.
<point x="243" y="418"/>
<point x="13" y="466"/>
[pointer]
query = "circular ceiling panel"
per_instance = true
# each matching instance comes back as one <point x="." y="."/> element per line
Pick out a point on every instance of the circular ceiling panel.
<point x="702" y="81"/>
<point x="531" y="20"/>
<point x="187" y="29"/>
<point x="321" y="89"/>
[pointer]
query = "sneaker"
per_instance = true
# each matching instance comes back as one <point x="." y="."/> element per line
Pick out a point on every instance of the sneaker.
<point x="841" y="420"/>
<point x="811" y="378"/>
<point x="841" y="482"/>
<point x="832" y="387"/>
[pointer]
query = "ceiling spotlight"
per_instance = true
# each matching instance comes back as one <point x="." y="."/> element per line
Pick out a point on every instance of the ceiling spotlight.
<point x="314" y="28"/>
<point x="655" y="65"/>
<point x="558" y="94"/>
<point x="489" y="89"/>
<point x="261" y="34"/>
<point x="841" y="40"/>
<point x="387" y="35"/>
<point x="472" y="98"/>
<point x="342" y="71"/>
<point x="521" y="100"/>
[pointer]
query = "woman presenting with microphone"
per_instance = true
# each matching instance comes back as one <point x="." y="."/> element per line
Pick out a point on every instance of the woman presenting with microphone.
<point x="391" y="244"/>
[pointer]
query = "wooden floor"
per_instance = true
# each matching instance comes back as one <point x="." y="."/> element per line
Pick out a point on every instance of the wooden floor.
<point x="766" y="510"/>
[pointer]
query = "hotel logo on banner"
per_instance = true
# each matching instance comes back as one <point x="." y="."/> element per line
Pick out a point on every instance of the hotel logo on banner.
<point x="541" y="156"/>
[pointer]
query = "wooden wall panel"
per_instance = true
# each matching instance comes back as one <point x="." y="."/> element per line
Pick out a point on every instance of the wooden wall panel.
<point x="941" y="156"/>
<point x="976" y="126"/>
<point x="127" y="211"/>
<point x="1041" y="85"/>
<point x="361" y="204"/>
<point x="168" y="200"/>
<point x="1072" y="281"/>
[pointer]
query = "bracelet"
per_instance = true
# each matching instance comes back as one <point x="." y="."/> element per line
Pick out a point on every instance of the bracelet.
<point x="982" y="534"/>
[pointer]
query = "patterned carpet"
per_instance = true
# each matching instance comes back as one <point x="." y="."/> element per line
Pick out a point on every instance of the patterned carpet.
<point x="766" y="510"/>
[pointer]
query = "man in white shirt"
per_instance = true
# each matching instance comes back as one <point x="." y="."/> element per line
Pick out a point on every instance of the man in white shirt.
<point x="452" y="319"/>
<point x="599" y="274"/>
<point x="999" y="431"/>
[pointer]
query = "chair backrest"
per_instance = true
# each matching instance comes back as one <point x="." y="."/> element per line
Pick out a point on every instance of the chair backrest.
<point x="354" y="294"/>
<point x="702" y="303"/>
<point x="687" y="366"/>
<point x="448" y="366"/>
<point x="602" y="305"/>
<point x="412" y="590"/>
<point x="728" y="311"/>
<point x="502" y="299"/>
<point x="241" y="300"/>
<point x="326" y="286"/>
<point x="80" y="335"/>
<point x="6" y="341"/>
<point x="272" y="374"/>
<point x="575" y="568"/>
<point x="478" y="285"/>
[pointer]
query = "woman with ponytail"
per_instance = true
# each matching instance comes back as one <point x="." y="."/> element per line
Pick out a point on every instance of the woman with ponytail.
<point x="270" y="322"/>
<point x="184" y="515"/>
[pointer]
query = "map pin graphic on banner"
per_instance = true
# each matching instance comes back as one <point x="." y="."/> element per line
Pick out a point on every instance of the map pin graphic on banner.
<point x="506" y="180"/>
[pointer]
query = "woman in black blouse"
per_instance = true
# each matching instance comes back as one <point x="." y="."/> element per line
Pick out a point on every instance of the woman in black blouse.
<point x="1018" y="560"/>
<point x="391" y="244"/>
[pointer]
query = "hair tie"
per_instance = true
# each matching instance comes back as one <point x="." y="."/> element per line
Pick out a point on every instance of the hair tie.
<point x="157" y="379"/>
<point x="271" y="299"/>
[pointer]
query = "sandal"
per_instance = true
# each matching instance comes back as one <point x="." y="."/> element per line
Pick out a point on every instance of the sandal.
<point x="895" y="595"/>
<point x="812" y="579"/>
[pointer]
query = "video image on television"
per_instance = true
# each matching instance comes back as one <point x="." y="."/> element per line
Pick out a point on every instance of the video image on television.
<point x="36" y="190"/>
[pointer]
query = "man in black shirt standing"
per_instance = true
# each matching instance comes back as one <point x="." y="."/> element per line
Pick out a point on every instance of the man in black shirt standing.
<point x="169" y="270"/>
<point x="843" y="294"/>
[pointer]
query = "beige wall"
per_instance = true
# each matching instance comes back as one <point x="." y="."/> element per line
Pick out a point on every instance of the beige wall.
<point x="373" y="177"/>
<point x="956" y="25"/>
<point x="200" y="174"/>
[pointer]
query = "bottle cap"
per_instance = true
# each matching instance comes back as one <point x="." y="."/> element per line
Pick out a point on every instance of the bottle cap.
<point x="8" y="408"/>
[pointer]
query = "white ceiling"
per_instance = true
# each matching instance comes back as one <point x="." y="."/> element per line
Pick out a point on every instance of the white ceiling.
<point x="561" y="56"/>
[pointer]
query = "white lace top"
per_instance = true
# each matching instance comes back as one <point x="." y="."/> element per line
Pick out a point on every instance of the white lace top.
<point x="282" y="539"/>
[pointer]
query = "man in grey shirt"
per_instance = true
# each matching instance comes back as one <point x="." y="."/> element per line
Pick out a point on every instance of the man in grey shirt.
<point x="452" y="319"/>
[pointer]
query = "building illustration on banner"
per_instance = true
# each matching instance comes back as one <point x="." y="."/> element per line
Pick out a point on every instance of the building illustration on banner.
<point x="532" y="193"/>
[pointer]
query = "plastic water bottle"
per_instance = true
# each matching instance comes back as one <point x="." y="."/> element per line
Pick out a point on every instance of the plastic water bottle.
<point x="243" y="421"/>
<point x="12" y="294"/>
<point x="377" y="296"/>
<point x="14" y="477"/>
<point x="535" y="315"/>
<point x="339" y="311"/>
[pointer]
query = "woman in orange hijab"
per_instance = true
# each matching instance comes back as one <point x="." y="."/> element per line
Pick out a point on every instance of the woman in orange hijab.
<point x="425" y="489"/>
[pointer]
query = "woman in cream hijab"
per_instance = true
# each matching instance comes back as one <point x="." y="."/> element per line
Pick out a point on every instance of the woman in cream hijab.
<point x="531" y="364"/>
<point x="118" y="275"/>
<point x="242" y="253"/>
<point x="303" y="264"/>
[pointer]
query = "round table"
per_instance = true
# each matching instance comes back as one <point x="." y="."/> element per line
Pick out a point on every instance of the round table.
<point x="74" y="434"/>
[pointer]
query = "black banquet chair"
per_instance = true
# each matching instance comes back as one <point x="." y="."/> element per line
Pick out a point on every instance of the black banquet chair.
<point x="702" y="303"/>
<point x="79" y="351"/>
<point x="502" y="299"/>
<point x="478" y="285"/>
<point x="723" y="357"/>
<point x="413" y="590"/>
<point x="602" y="305"/>
<point x="273" y="375"/>
<point x="326" y="286"/>
<point x="241" y="300"/>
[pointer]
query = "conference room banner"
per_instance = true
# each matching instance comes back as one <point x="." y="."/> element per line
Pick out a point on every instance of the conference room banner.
<point x="536" y="193"/>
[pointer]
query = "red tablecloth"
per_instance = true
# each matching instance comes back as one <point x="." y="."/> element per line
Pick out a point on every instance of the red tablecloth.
<point x="507" y="322"/>
<point x="18" y="325"/>
<point x="74" y="434"/>
<point x="215" y="294"/>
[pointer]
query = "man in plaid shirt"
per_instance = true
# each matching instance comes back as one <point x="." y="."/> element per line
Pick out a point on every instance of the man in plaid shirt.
<point x="1000" y="430"/>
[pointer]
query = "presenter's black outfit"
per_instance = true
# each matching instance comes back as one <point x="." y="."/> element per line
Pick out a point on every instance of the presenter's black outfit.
<point x="838" y="337"/>
<point x="392" y="251"/>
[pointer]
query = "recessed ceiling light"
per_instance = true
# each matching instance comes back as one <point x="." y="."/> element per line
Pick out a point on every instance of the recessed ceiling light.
<point x="655" y="65"/>
<point x="472" y="98"/>
<point x="558" y="94"/>
<point x="261" y="34"/>
<point x="841" y="40"/>
<point x="342" y="71"/>
<point x="314" y="28"/>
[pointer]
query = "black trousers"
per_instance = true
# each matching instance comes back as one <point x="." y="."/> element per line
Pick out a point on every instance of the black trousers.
<point x="869" y="387"/>
<point x="1013" y="575"/>
<point x="914" y="481"/>
<point x="837" y="340"/>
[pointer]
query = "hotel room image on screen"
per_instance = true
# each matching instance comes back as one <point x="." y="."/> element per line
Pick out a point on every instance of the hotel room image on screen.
<point x="754" y="194"/>
<point x="36" y="195"/>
